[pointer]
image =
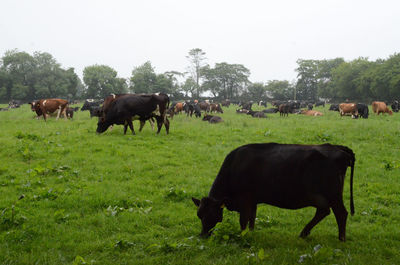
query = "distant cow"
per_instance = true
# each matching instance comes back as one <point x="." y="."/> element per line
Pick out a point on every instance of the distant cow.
<point x="191" y="108"/>
<point x="143" y="107"/>
<point x="246" y="105"/>
<point x="216" y="107"/>
<point x="179" y="107"/>
<point x="395" y="106"/>
<point x="362" y="110"/>
<point x="348" y="109"/>
<point x="271" y="110"/>
<point x="242" y="111"/>
<point x="284" y="109"/>
<point x="204" y="106"/>
<point x="89" y="103"/>
<point x="311" y="113"/>
<point x="334" y="107"/>
<point x="70" y="112"/>
<point x="262" y="103"/>
<point x="380" y="107"/>
<point x="212" y="118"/>
<point x="95" y="111"/>
<point x="320" y="103"/>
<point x="48" y="106"/>
<point x="256" y="114"/>
<point x="284" y="175"/>
<point x="226" y="103"/>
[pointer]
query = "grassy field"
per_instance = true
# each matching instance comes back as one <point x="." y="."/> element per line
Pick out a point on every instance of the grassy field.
<point x="70" y="196"/>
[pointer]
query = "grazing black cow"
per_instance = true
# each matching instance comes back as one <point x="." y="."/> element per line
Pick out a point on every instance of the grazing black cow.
<point x="256" y="114"/>
<point x="191" y="108"/>
<point x="271" y="110"/>
<point x="136" y="106"/>
<point x="70" y="112"/>
<point x="197" y="110"/>
<point x="89" y="103"/>
<point x="284" y="175"/>
<point x="334" y="107"/>
<point x="362" y="110"/>
<point x="320" y="103"/>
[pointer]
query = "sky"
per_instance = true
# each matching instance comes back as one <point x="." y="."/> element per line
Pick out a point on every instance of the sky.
<point x="267" y="37"/>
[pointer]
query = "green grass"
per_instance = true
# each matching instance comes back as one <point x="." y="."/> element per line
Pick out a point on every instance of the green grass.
<point x="124" y="199"/>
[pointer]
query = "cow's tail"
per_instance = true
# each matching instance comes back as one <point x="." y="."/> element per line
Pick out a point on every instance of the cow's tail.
<point x="351" y="186"/>
<point x="351" y="164"/>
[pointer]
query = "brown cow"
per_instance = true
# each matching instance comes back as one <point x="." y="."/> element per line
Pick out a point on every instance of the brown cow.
<point x="380" y="107"/>
<point x="179" y="107"/>
<point x="348" y="109"/>
<point x="216" y="107"/>
<point x="47" y="106"/>
<point x="311" y="113"/>
<point x="284" y="109"/>
<point x="204" y="106"/>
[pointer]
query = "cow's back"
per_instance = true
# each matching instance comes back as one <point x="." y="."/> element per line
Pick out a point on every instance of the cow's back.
<point x="281" y="175"/>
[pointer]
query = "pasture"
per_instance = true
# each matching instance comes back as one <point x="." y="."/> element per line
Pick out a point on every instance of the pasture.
<point x="70" y="196"/>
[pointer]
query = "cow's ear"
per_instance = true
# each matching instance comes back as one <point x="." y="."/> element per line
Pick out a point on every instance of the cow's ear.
<point x="196" y="201"/>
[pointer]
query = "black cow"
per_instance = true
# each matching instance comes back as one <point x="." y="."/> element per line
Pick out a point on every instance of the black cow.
<point x="90" y="103"/>
<point x="395" y="106"/>
<point x="212" y="118"/>
<point x="256" y="114"/>
<point x="271" y="110"/>
<point x="70" y="111"/>
<point x="95" y="111"/>
<point x="362" y="110"/>
<point x="191" y="108"/>
<point x="334" y="107"/>
<point x="142" y="107"/>
<point x="320" y="103"/>
<point x="246" y="105"/>
<point x="284" y="175"/>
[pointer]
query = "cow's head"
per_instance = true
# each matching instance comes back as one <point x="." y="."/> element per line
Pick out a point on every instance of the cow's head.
<point x="102" y="126"/>
<point x="210" y="212"/>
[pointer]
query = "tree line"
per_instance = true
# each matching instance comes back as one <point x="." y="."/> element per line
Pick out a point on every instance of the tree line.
<point x="27" y="77"/>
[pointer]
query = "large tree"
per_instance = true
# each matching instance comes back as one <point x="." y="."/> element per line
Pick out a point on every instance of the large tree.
<point x="196" y="59"/>
<point x="280" y="89"/>
<point x="102" y="80"/>
<point x="23" y="76"/>
<point x="226" y="80"/>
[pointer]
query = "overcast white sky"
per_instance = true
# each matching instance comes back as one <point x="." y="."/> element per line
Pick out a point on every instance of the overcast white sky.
<point x="267" y="37"/>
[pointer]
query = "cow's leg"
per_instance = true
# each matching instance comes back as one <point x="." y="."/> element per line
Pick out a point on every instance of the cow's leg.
<point x="320" y="214"/>
<point x="341" y="216"/>
<point x="159" y="123"/>
<point x="151" y="123"/>
<point x="58" y="112"/>
<point x="244" y="217"/>
<point x="253" y="217"/>
<point x="141" y="125"/>
<point x="125" y="127"/>
<point x="130" y="126"/>
<point x="166" y="123"/>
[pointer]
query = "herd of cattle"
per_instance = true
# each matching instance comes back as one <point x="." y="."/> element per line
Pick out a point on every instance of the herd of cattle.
<point x="122" y="109"/>
<point x="284" y="175"/>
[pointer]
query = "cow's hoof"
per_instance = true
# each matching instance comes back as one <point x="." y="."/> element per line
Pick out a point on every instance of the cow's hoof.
<point x="304" y="234"/>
